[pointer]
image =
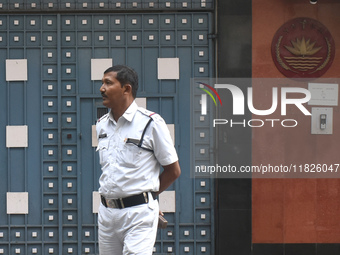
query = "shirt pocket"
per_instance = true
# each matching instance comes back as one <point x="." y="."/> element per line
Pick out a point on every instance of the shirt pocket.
<point x="130" y="155"/>
<point x="102" y="148"/>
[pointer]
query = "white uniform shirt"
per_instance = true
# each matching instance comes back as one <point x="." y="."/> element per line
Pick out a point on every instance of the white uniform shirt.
<point x="127" y="169"/>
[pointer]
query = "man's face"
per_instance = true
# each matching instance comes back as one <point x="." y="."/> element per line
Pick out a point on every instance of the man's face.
<point x="112" y="91"/>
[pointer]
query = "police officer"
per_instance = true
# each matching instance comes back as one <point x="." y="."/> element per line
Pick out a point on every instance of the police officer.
<point x="132" y="143"/>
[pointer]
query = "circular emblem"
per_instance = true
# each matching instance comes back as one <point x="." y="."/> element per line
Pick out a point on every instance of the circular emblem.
<point x="303" y="48"/>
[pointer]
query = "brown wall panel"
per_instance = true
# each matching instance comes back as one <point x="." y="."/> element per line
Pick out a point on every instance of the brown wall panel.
<point x="293" y="210"/>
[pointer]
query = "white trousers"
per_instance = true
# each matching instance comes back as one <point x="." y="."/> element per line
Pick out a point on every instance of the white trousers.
<point x="128" y="231"/>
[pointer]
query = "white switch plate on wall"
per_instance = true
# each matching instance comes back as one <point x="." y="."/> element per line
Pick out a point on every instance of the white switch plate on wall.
<point x="316" y="112"/>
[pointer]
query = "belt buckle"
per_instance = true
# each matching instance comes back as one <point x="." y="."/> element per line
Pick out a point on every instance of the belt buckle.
<point x="146" y="198"/>
<point x="112" y="203"/>
<point x="121" y="203"/>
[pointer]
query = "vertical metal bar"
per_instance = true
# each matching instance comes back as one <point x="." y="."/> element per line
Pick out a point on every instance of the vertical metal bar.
<point x="94" y="103"/>
<point x="213" y="139"/>
<point x="79" y="186"/>
<point x="193" y="130"/>
<point x="142" y="78"/>
<point x="176" y="122"/>
<point x="95" y="183"/>
<point x="126" y="34"/>
<point x="25" y="123"/>
<point x="60" y="198"/>
<point x="92" y="47"/>
<point x="159" y="47"/>
<point x="8" y="149"/>
<point x="42" y="128"/>
<point x="79" y="183"/>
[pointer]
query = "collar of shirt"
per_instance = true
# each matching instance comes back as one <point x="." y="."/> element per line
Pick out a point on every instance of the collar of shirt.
<point x="128" y="114"/>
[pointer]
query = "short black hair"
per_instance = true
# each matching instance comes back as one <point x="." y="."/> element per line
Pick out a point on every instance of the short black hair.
<point x="125" y="75"/>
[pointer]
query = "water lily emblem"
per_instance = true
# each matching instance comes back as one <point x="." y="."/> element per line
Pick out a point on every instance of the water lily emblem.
<point x="303" y="47"/>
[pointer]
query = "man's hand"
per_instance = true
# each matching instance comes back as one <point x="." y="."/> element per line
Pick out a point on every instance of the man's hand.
<point x="162" y="222"/>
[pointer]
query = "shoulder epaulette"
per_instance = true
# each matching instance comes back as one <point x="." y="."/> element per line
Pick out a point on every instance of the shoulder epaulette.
<point x="146" y="112"/>
<point x="103" y="117"/>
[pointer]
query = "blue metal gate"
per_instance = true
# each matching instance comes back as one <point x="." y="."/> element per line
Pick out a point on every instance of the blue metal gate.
<point x="49" y="167"/>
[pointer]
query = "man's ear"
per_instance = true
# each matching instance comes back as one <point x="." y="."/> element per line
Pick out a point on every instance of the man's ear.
<point x="127" y="89"/>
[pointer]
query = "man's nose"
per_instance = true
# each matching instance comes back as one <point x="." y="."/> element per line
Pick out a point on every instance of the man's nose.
<point x="102" y="88"/>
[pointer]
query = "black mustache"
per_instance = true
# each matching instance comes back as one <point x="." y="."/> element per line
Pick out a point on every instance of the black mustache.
<point x="104" y="95"/>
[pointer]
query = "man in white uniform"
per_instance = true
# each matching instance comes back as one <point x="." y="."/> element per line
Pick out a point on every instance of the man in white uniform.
<point x="133" y="143"/>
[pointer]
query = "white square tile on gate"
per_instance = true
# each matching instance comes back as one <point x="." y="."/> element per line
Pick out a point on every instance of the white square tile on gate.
<point x="168" y="68"/>
<point x="171" y="128"/>
<point x="95" y="201"/>
<point x="167" y="201"/>
<point x="141" y="101"/>
<point x="16" y="69"/>
<point x="17" y="202"/>
<point x="98" y="66"/>
<point x="16" y="136"/>
<point x="94" y="136"/>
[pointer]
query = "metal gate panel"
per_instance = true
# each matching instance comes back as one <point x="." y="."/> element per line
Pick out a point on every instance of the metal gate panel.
<point x="102" y="5"/>
<point x="59" y="103"/>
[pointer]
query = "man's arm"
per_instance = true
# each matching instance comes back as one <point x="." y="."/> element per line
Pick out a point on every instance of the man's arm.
<point x="168" y="176"/>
